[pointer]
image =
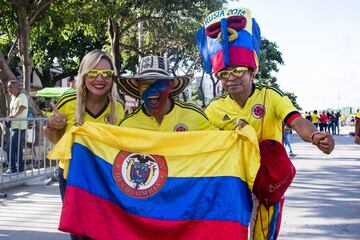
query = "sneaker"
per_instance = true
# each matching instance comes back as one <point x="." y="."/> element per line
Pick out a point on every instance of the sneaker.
<point x="292" y="155"/>
<point x="8" y="172"/>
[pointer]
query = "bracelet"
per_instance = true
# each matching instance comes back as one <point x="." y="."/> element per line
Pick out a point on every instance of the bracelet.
<point x="313" y="134"/>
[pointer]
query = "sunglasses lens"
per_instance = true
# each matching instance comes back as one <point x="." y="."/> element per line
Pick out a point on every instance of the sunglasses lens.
<point x="103" y="73"/>
<point x="224" y="74"/>
<point x="238" y="72"/>
<point x="107" y="73"/>
<point x="92" y="74"/>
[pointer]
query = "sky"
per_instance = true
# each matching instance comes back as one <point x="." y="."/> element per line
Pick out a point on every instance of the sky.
<point x="320" y="43"/>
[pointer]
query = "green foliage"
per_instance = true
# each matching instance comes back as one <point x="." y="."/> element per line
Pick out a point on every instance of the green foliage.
<point x="196" y="94"/>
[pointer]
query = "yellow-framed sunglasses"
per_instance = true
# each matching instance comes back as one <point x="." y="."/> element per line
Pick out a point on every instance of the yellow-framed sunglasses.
<point x="237" y="72"/>
<point x="103" y="73"/>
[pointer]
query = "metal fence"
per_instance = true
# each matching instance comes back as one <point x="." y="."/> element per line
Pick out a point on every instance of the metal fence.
<point x="23" y="153"/>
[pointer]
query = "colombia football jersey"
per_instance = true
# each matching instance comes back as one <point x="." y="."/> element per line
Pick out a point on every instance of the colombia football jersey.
<point x="223" y="111"/>
<point x="67" y="105"/>
<point x="181" y="117"/>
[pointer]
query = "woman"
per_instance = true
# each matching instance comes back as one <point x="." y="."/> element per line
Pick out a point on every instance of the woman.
<point x="94" y="100"/>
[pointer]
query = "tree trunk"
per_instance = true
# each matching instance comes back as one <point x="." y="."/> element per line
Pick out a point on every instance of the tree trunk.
<point x="24" y="33"/>
<point x="114" y="31"/>
<point x="5" y="76"/>
<point x="115" y="46"/>
<point x="202" y="90"/>
<point x="214" y="84"/>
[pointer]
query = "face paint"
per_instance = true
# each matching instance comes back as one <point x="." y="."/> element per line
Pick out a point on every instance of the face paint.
<point x="155" y="95"/>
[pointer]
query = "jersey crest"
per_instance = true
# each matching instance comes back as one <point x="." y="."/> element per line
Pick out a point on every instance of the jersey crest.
<point x="258" y="111"/>
<point x="139" y="175"/>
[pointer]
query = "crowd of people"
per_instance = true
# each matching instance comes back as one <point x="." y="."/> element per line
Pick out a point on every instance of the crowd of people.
<point x="326" y="121"/>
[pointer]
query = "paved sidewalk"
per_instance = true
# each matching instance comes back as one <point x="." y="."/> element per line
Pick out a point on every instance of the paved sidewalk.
<point x="31" y="213"/>
<point x="322" y="203"/>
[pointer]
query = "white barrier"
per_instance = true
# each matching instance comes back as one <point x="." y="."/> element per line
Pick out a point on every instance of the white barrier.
<point x="33" y="146"/>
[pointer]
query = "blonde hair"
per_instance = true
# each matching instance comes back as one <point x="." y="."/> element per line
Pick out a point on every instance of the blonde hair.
<point x="89" y="61"/>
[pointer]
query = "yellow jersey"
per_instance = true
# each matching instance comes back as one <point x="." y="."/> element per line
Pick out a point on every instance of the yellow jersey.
<point x="314" y="118"/>
<point x="181" y="117"/>
<point x="357" y="115"/>
<point x="223" y="112"/>
<point x="67" y="105"/>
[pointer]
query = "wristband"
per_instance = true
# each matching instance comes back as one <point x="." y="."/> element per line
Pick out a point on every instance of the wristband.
<point x="313" y="134"/>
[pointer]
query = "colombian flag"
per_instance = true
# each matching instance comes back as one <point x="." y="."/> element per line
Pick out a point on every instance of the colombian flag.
<point x="128" y="183"/>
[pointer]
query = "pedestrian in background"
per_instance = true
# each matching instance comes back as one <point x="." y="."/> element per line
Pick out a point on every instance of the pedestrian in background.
<point x="315" y="119"/>
<point x="357" y="127"/>
<point x="287" y="141"/>
<point x="18" y="109"/>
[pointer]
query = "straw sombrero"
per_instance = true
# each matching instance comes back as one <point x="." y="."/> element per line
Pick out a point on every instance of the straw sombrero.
<point x="152" y="68"/>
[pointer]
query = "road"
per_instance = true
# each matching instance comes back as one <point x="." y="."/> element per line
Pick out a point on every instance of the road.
<point x="322" y="203"/>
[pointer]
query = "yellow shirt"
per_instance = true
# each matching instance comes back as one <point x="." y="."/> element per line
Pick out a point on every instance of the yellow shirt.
<point x="314" y="118"/>
<point x="223" y="112"/>
<point x="67" y="105"/>
<point x="182" y="117"/>
<point x="15" y="104"/>
<point x="358" y="115"/>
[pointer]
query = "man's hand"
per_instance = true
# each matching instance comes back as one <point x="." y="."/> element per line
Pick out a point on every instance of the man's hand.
<point x="57" y="120"/>
<point x="240" y="124"/>
<point x="324" y="141"/>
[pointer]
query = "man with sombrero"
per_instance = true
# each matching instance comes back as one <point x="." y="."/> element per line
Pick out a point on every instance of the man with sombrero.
<point x="229" y="45"/>
<point x="157" y="89"/>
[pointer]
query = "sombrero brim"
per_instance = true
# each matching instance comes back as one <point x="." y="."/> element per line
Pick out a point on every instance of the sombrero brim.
<point x="129" y="84"/>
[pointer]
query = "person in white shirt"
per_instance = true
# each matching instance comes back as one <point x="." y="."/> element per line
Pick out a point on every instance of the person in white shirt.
<point x="18" y="109"/>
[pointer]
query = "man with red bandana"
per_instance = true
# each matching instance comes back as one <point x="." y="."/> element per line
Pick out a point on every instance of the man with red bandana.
<point x="157" y="89"/>
<point x="230" y="48"/>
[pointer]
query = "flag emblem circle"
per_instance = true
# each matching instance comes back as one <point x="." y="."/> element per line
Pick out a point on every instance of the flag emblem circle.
<point x="258" y="111"/>
<point x="180" y="127"/>
<point x="139" y="175"/>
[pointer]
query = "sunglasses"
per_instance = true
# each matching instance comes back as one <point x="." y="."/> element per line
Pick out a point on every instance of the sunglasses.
<point x="237" y="72"/>
<point x="103" y="73"/>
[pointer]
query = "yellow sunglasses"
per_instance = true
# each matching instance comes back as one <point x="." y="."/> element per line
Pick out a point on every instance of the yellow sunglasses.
<point x="103" y="73"/>
<point x="237" y="72"/>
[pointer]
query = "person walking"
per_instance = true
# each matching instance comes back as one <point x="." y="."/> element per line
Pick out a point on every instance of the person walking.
<point x="18" y="109"/>
<point x="229" y="45"/>
<point x="287" y="141"/>
<point x="357" y="127"/>
<point x="315" y="119"/>
<point x="323" y="121"/>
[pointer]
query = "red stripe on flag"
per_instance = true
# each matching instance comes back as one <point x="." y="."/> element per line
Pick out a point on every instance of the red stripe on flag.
<point x="86" y="214"/>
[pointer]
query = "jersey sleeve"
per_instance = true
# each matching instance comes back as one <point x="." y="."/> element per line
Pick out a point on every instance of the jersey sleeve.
<point x="283" y="107"/>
